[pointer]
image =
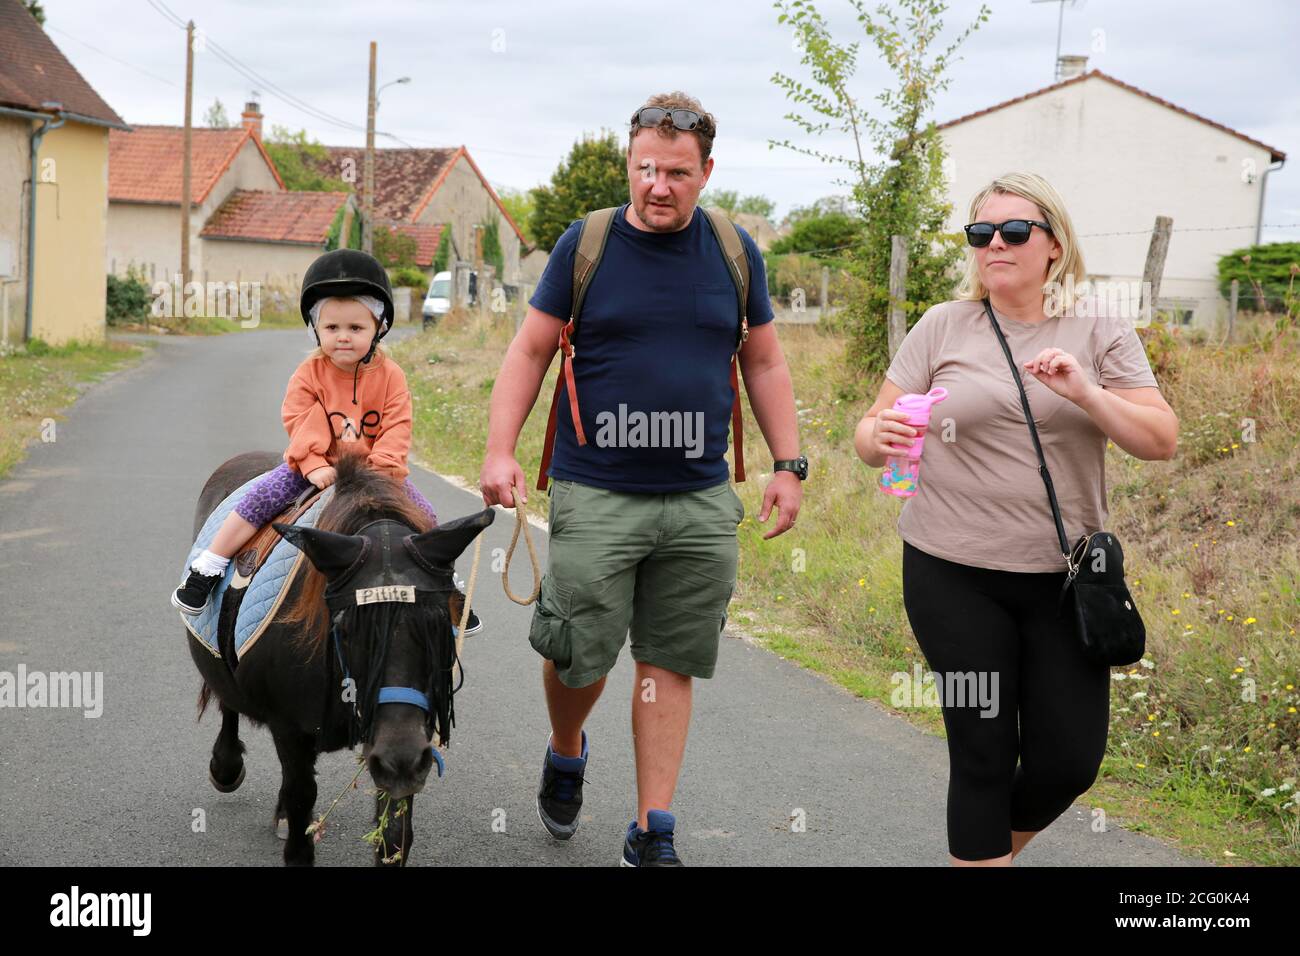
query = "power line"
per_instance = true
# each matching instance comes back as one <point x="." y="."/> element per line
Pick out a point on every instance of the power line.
<point x="152" y="76"/>
<point x="249" y="73"/>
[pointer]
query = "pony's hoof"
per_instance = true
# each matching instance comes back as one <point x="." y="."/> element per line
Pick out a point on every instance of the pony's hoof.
<point x="282" y="828"/>
<point x="228" y="787"/>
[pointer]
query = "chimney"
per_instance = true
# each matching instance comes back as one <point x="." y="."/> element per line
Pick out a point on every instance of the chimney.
<point x="252" y="118"/>
<point x="1070" y="65"/>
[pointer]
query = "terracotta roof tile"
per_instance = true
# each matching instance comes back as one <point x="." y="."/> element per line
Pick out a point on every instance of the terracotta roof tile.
<point x="264" y="216"/>
<point x="403" y="177"/>
<point x="145" y="165"/>
<point x="33" y="71"/>
<point x="1275" y="154"/>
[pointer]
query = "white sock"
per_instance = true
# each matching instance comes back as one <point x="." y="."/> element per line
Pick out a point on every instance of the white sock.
<point x="209" y="563"/>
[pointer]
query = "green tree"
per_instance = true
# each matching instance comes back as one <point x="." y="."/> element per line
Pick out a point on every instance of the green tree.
<point x="896" y="172"/>
<point x="758" y="206"/>
<point x="732" y="203"/>
<point x="519" y="203"/>
<point x="36" y="10"/>
<point x="826" y="235"/>
<point x="442" y="258"/>
<point x="215" y="117"/>
<point x="724" y="199"/>
<point x="300" y="160"/>
<point x="822" y="207"/>
<point x="593" y="176"/>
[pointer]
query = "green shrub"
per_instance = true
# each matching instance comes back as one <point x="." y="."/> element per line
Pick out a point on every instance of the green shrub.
<point x="127" y="299"/>
<point x="1267" y="275"/>
<point x="412" y="277"/>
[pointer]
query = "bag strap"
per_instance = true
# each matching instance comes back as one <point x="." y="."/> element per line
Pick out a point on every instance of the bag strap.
<point x="594" y="233"/>
<point x="733" y="250"/>
<point x="1033" y="433"/>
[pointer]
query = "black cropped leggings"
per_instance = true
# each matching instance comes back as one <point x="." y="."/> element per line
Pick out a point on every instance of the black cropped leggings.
<point x="1051" y="706"/>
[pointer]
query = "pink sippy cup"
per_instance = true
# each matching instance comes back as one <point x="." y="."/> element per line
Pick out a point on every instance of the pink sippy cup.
<point x="901" y="475"/>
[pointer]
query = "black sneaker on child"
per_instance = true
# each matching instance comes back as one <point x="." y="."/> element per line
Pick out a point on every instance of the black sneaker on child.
<point x="472" y="625"/>
<point x="192" y="596"/>
<point x="559" y="798"/>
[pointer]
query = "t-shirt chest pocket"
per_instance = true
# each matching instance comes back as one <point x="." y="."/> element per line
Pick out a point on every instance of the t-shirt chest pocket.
<point x="715" y="307"/>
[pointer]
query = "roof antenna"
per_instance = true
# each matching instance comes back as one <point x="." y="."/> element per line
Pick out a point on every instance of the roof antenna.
<point x="1060" y="20"/>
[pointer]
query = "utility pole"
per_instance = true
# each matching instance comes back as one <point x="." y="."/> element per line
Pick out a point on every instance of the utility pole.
<point x="367" y="224"/>
<point x="185" y="162"/>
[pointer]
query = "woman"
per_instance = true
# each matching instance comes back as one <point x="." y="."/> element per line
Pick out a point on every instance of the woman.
<point x="982" y="568"/>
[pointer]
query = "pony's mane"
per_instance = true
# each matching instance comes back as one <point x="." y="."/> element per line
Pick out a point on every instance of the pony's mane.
<point x="361" y="495"/>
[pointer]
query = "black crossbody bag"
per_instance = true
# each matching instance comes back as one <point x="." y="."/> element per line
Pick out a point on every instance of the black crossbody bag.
<point x="1104" y="613"/>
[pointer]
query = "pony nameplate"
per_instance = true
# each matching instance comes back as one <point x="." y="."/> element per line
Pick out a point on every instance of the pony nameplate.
<point x="403" y="593"/>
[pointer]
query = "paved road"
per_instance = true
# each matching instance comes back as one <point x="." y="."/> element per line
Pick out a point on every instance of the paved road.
<point x="93" y="528"/>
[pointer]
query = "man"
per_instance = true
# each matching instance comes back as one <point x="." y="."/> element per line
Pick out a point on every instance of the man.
<point x="642" y="527"/>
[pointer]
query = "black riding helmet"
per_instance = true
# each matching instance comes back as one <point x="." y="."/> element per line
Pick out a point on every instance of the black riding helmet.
<point x="345" y="272"/>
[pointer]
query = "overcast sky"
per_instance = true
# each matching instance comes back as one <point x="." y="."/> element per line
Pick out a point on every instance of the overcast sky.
<point x="518" y="81"/>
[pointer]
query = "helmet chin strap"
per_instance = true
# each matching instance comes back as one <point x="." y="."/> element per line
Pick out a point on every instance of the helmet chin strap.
<point x="374" y="344"/>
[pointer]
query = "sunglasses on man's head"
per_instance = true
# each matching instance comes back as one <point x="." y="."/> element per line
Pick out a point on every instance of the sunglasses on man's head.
<point x="654" y="115"/>
<point x="1014" y="231"/>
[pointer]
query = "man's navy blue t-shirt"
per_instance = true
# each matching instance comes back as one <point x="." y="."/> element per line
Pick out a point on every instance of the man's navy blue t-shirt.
<point x="653" y="355"/>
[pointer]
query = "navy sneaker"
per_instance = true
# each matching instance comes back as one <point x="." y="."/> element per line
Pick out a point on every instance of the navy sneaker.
<point x="559" y="798"/>
<point x="653" y="847"/>
<point x="192" y="596"/>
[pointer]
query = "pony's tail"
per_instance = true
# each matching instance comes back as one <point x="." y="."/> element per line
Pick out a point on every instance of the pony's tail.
<point x="205" y="695"/>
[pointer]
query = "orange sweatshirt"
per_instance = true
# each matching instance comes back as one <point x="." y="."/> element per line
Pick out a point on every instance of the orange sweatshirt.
<point x="324" y="420"/>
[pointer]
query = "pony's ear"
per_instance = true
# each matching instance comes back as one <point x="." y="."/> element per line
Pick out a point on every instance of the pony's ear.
<point x="444" y="544"/>
<point x="331" y="553"/>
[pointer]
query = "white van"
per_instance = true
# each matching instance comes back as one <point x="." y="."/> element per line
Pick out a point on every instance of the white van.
<point x="437" y="302"/>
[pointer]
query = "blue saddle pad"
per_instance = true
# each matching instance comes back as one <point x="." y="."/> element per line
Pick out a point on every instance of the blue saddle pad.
<point x="267" y="587"/>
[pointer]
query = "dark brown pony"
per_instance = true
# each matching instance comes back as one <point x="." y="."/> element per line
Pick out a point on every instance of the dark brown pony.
<point x="315" y="675"/>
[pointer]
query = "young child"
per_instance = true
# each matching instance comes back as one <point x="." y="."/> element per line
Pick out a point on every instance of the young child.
<point x="346" y="396"/>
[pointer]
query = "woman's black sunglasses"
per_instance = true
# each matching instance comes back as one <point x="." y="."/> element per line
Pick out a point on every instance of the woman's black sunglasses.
<point x="654" y="115"/>
<point x="1014" y="231"/>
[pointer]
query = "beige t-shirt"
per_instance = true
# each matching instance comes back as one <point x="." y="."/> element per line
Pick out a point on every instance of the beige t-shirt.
<point x="981" y="500"/>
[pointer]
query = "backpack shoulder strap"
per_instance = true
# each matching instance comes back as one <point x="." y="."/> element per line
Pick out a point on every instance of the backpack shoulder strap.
<point x="592" y="236"/>
<point x="733" y="250"/>
<point x="596" y="226"/>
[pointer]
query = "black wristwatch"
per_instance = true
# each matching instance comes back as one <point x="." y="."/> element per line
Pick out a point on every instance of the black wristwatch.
<point x="798" y="465"/>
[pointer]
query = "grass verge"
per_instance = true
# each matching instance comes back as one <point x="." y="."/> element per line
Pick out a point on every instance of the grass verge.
<point x="1204" y="732"/>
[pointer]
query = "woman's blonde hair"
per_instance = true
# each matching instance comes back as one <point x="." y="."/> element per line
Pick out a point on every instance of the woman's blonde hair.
<point x="1064" y="273"/>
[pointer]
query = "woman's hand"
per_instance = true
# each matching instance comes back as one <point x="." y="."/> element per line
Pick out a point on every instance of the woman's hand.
<point x="322" y="477"/>
<point x="1060" y="371"/>
<point x="891" y="431"/>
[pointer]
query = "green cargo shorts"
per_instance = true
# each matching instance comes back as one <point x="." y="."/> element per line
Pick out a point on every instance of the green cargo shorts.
<point x="661" y="565"/>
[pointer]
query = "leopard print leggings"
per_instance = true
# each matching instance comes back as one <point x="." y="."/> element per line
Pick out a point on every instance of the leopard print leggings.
<point x="278" y="490"/>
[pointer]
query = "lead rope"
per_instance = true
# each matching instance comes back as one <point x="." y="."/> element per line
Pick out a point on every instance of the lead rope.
<point x="521" y="522"/>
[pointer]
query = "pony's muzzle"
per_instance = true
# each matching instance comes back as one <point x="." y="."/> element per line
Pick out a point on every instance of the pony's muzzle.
<point x="399" y="765"/>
